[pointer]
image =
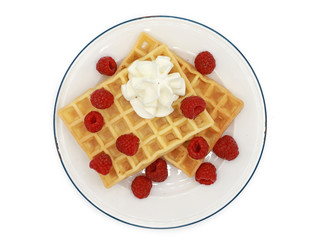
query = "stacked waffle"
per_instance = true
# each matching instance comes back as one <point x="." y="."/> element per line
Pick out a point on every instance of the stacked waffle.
<point x="159" y="137"/>
<point x="221" y="104"/>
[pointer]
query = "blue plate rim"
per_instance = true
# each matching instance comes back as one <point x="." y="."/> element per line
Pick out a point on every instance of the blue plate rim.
<point x="178" y="18"/>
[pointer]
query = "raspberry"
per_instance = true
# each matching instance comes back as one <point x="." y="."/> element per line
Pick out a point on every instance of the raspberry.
<point x="206" y="173"/>
<point x="102" y="163"/>
<point x="198" y="148"/>
<point x="141" y="186"/>
<point x="93" y="121"/>
<point x="226" y="148"/>
<point x="192" y="106"/>
<point x="101" y="98"/>
<point x="127" y="144"/>
<point x="205" y="62"/>
<point x="157" y="171"/>
<point x="106" y="66"/>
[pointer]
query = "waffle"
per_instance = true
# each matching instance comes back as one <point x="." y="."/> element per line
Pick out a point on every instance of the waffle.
<point x="158" y="136"/>
<point x="222" y="105"/>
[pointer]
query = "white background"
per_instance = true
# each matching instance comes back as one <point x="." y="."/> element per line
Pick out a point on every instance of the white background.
<point x="289" y="45"/>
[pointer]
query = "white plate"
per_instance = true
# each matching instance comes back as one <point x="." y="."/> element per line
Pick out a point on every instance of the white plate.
<point x="179" y="201"/>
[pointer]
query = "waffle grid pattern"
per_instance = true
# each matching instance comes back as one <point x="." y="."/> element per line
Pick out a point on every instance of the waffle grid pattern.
<point x="158" y="136"/>
<point x="223" y="107"/>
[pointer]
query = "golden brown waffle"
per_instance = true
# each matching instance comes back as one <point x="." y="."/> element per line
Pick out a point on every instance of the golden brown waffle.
<point x="222" y="105"/>
<point x="158" y="136"/>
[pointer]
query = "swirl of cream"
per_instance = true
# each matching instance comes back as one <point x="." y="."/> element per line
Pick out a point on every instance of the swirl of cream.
<point x="151" y="90"/>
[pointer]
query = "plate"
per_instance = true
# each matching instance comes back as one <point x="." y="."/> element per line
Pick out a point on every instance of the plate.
<point x="179" y="201"/>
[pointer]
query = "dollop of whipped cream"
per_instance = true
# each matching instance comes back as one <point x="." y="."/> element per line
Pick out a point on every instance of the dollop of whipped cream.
<point x="151" y="90"/>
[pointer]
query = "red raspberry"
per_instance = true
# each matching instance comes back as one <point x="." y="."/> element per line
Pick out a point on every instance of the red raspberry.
<point x="106" y="66"/>
<point x="226" y="148"/>
<point x="198" y="148"/>
<point x="101" y="98"/>
<point x="192" y="106"/>
<point x="93" y="121"/>
<point x="206" y="173"/>
<point x="141" y="186"/>
<point x="127" y="144"/>
<point x="205" y="62"/>
<point x="157" y="171"/>
<point x="102" y="163"/>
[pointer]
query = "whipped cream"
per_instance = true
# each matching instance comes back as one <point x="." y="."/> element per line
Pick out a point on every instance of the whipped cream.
<point x="150" y="89"/>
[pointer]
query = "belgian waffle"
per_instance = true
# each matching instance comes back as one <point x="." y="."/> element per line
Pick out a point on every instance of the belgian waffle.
<point x="222" y="105"/>
<point x="158" y="136"/>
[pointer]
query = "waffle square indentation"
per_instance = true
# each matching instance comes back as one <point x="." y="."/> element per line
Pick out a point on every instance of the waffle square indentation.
<point x="91" y="145"/>
<point x="176" y="115"/>
<point x="230" y="105"/>
<point x="123" y="166"/>
<point x="160" y="123"/>
<point x="154" y="145"/>
<point x="209" y="106"/>
<point x="177" y="154"/>
<point x="201" y="87"/>
<point x="115" y="86"/>
<point x="121" y="127"/>
<point x="170" y="136"/>
<point x="124" y="104"/>
<point x="105" y="135"/>
<point x="139" y="156"/>
<point x="185" y="128"/>
<point x="70" y="115"/>
<point x="134" y="119"/>
<point x="80" y="130"/>
<point x="220" y="119"/>
<point x="111" y="113"/>
<point x="216" y="95"/>
<point x="114" y="152"/>
<point x="84" y="105"/>
<point x="201" y="119"/>
<point x="145" y="131"/>
<point x="190" y="164"/>
<point x="210" y="135"/>
<point x="191" y="76"/>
